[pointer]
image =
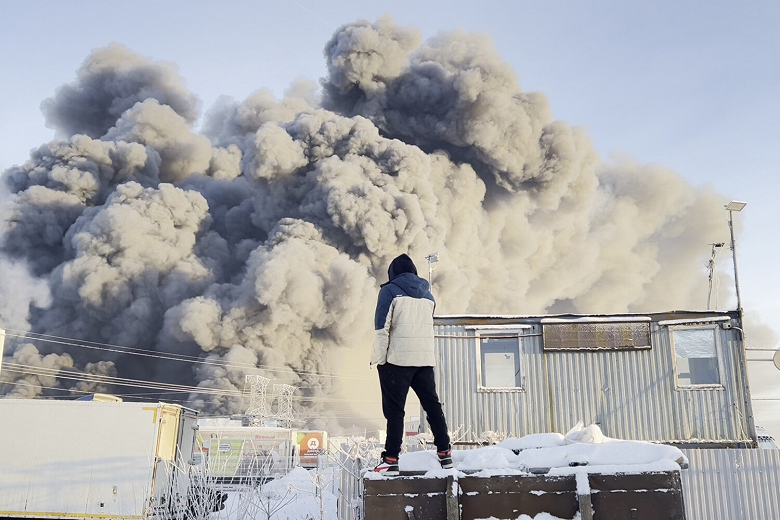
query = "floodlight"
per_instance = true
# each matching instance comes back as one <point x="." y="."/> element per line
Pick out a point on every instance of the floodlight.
<point x="735" y="205"/>
<point x="432" y="258"/>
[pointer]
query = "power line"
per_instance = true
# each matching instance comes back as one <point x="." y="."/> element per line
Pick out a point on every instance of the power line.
<point x="310" y="415"/>
<point x="59" y="373"/>
<point x="110" y="380"/>
<point x="169" y="356"/>
<point x="172" y="356"/>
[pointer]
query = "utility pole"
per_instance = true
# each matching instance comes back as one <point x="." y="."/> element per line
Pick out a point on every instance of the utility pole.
<point x="731" y="207"/>
<point x="433" y="259"/>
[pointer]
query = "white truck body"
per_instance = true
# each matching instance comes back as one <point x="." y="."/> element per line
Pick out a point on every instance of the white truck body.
<point x="94" y="460"/>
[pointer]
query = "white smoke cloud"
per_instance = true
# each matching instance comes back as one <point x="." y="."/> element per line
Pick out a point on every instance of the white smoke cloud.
<point x="33" y="385"/>
<point x="259" y="245"/>
<point x="158" y="127"/>
<point x="228" y="121"/>
<point x="366" y="55"/>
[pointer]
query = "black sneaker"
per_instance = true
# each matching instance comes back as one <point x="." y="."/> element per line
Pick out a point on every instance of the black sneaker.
<point x="388" y="466"/>
<point x="445" y="458"/>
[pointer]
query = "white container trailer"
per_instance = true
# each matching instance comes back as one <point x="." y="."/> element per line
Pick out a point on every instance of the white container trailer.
<point x="94" y="460"/>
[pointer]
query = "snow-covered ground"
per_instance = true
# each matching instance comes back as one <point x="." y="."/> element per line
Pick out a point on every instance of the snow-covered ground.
<point x="300" y="495"/>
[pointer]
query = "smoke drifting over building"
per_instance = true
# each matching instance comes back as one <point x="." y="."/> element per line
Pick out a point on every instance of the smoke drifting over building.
<point x="262" y="240"/>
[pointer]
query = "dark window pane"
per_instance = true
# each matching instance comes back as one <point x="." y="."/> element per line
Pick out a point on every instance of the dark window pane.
<point x="704" y="371"/>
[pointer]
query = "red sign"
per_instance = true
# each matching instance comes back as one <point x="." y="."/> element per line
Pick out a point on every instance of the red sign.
<point x="312" y="445"/>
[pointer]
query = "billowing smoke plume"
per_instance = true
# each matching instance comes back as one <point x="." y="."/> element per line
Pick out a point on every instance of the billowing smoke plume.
<point x="262" y="242"/>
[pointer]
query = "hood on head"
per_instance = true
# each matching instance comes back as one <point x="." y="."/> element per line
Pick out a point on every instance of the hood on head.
<point x="401" y="264"/>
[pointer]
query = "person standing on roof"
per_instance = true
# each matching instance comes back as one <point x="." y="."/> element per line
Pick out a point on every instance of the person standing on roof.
<point x="403" y="353"/>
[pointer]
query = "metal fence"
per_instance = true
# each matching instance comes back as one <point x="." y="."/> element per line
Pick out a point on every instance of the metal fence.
<point x="350" y="487"/>
<point x="351" y="459"/>
<point x="730" y="484"/>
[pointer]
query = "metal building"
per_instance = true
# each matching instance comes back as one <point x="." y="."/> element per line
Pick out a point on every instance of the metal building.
<point x="726" y="484"/>
<point x="675" y="377"/>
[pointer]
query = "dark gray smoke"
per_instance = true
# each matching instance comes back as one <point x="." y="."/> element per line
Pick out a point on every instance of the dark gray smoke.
<point x="111" y="81"/>
<point x="262" y="242"/>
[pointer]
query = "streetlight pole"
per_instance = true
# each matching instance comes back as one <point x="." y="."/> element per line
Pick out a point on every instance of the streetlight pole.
<point x="731" y="207"/>
<point x="432" y="258"/>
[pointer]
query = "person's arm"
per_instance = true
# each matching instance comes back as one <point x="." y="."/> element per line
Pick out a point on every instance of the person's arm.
<point x="382" y="320"/>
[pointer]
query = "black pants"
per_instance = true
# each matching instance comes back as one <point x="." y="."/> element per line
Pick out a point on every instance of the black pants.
<point x="395" y="382"/>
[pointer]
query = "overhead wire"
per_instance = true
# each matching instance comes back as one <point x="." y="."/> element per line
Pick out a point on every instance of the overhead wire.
<point x="63" y="373"/>
<point x="68" y="373"/>
<point x="169" y="356"/>
<point x="60" y="373"/>
<point x="334" y="414"/>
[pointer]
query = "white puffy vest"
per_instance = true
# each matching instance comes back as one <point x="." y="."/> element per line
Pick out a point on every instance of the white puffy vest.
<point x="407" y="337"/>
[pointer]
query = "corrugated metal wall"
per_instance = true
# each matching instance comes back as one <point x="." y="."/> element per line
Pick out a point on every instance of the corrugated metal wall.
<point x="732" y="484"/>
<point x="630" y="394"/>
<point x="350" y="487"/>
<point x="474" y="412"/>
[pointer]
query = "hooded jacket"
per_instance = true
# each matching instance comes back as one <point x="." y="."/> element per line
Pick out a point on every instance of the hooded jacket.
<point x="404" y="318"/>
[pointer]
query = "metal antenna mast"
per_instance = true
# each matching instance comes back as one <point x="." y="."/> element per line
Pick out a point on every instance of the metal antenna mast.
<point x="711" y="268"/>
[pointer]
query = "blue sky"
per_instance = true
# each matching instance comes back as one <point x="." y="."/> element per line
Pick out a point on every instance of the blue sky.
<point x="692" y="86"/>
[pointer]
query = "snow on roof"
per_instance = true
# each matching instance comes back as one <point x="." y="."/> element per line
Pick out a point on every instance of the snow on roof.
<point x="694" y="320"/>
<point x="595" y="319"/>
<point x="512" y="326"/>
<point x="582" y="450"/>
<point x="585" y="317"/>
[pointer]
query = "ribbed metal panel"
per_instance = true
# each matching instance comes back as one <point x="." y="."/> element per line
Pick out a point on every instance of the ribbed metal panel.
<point x="708" y="414"/>
<point x="472" y="413"/>
<point x="726" y="484"/>
<point x="630" y="394"/>
<point x="350" y="488"/>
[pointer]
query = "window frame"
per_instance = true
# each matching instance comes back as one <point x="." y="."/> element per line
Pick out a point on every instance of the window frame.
<point x="514" y="332"/>
<point x="549" y="335"/>
<point x="715" y="327"/>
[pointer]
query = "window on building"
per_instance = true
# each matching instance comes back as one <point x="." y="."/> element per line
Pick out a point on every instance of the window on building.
<point x="631" y="333"/>
<point x="500" y="360"/>
<point x="696" y="356"/>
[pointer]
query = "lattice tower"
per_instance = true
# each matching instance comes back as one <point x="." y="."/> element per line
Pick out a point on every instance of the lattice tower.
<point x="284" y="410"/>
<point x="258" y="406"/>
